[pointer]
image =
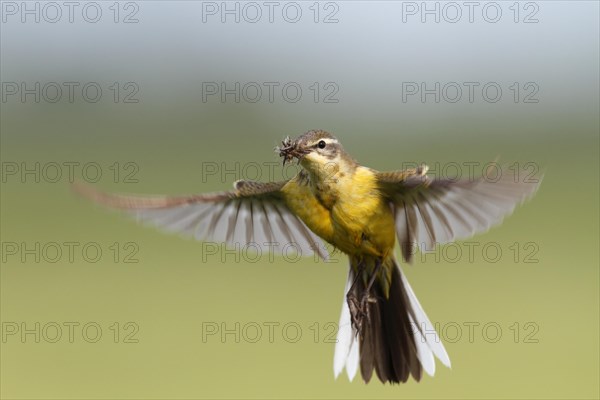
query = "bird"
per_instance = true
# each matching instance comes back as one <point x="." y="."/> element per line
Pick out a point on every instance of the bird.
<point x="359" y="211"/>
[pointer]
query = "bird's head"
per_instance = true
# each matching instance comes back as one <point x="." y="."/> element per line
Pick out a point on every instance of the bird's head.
<point x="315" y="150"/>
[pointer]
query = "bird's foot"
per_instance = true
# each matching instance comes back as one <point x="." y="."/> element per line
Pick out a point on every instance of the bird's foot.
<point x="359" y="309"/>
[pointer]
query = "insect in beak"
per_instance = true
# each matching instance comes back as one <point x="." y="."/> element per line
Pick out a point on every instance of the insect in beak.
<point x="289" y="150"/>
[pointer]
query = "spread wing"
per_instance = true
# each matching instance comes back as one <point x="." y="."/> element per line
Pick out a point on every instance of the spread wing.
<point x="429" y="211"/>
<point x="253" y="216"/>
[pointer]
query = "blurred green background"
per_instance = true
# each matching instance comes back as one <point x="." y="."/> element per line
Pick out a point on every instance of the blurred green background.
<point x="176" y="291"/>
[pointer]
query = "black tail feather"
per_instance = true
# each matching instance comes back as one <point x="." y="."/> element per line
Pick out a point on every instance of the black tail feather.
<point x="387" y="342"/>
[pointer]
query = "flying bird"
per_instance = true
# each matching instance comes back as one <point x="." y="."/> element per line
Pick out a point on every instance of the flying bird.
<point x="359" y="211"/>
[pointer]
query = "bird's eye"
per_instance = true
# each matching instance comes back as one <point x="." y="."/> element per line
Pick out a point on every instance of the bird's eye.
<point x="322" y="144"/>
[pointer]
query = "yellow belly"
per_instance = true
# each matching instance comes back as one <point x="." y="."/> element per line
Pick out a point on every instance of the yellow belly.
<point x="364" y="229"/>
<point x="359" y="223"/>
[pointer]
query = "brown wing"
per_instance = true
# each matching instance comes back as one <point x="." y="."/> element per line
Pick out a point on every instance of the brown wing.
<point x="429" y="211"/>
<point x="253" y="216"/>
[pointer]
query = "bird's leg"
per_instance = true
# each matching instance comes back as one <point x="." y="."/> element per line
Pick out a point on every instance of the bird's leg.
<point x="359" y="308"/>
<point x="367" y="298"/>
<point x="356" y="313"/>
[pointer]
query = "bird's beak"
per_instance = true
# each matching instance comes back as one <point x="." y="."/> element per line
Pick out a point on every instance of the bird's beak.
<point x="290" y="149"/>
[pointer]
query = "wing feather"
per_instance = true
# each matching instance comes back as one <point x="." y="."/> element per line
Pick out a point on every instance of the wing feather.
<point x="253" y="213"/>
<point x="431" y="211"/>
<point x="218" y="224"/>
<point x="263" y="222"/>
<point x="426" y="228"/>
<point x="232" y="223"/>
<point x="250" y="228"/>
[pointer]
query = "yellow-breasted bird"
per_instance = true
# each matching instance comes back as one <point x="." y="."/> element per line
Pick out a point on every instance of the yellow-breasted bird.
<point x="361" y="212"/>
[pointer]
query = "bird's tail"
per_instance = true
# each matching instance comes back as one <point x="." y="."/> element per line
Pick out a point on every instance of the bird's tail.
<point x="396" y="338"/>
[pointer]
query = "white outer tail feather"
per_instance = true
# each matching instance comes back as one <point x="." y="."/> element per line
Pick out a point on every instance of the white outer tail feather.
<point x="435" y="344"/>
<point x="347" y="351"/>
<point x="346" y="347"/>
